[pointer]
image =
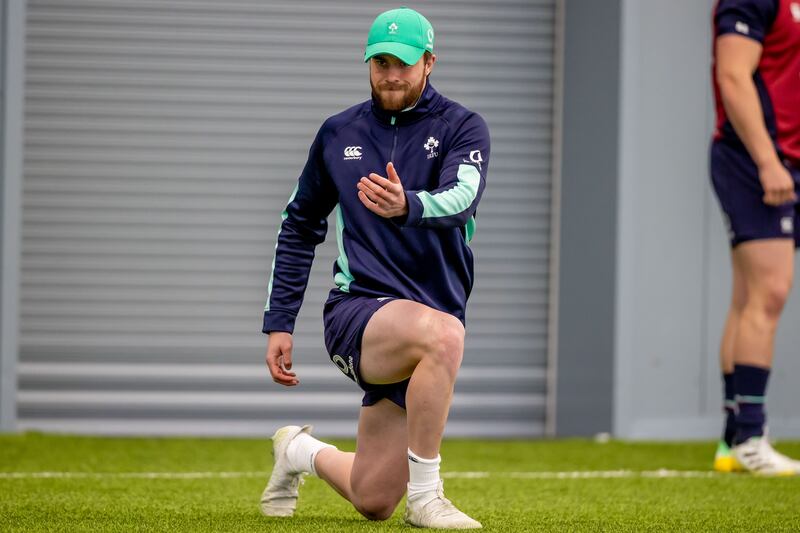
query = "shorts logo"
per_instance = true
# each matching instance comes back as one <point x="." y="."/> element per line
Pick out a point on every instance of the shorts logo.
<point x="352" y="152"/>
<point x="352" y="369"/>
<point x="338" y="360"/>
<point x="787" y="225"/>
<point x="742" y="28"/>
<point x="347" y="369"/>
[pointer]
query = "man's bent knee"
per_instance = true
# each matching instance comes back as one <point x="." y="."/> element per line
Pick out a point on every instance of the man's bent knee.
<point x="446" y="343"/>
<point x="376" y="506"/>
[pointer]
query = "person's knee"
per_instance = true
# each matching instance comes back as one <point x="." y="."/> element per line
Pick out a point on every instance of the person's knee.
<point x="445" y="341"/>
<point x="775" y="295"/>
<point x="768" y="299"/>
<point x="376" y="506"/>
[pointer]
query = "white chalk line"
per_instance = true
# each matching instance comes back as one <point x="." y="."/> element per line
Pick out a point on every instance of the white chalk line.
<point x="586" y="474"/>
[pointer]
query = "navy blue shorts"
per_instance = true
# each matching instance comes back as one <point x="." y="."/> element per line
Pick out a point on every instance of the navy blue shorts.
<point x="741" y="196"/>
<point x="346" y="318"/>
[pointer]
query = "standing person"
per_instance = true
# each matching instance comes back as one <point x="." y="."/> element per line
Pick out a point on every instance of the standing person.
<point x="755" y="170"/>
<point x="405" y="172"/>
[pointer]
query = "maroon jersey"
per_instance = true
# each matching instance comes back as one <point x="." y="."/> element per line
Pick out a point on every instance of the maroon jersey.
<point x="776" y="25"/>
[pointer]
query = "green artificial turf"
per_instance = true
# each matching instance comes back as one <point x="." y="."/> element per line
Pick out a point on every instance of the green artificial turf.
<point x="735" y="502"/>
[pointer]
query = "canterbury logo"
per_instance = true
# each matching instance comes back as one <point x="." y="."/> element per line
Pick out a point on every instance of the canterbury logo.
<point x="352" y="152"/>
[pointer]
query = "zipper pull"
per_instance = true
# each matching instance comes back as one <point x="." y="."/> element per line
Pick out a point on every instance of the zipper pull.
<point x="394" y="119"/>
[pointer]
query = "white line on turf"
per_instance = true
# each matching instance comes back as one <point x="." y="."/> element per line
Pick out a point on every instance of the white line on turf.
<point x="586" y="474"/>
<point x="131" y="475"/>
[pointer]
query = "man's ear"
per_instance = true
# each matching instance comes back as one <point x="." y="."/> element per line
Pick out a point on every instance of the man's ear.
<point x="429" y="64"/>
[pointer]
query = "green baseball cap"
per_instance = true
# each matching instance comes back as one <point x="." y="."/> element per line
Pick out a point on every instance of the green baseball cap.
<point x="403" y="33"/>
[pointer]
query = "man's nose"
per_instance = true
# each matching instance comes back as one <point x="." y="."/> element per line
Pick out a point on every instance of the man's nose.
<point x="394" y="73"/>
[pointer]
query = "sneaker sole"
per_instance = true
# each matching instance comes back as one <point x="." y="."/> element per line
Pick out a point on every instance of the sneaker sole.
<point x="727" y="465"/>
<point x="408" y="523"/>
<point x="784" y="473"/>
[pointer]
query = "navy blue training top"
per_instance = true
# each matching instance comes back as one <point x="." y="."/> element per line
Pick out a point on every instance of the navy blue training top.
<point x="441" y="153"/>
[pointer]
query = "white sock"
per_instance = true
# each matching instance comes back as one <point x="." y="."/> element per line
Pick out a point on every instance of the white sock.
<point x="303" y="450"/>
<point x="423" y="476"/>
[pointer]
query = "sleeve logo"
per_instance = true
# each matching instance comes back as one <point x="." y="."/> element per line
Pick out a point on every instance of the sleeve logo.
<point x="475" y="157"/>
<point x="742" y="28"/>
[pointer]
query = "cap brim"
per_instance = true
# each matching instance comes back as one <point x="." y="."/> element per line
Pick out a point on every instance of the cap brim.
<point x="405" y="53"/>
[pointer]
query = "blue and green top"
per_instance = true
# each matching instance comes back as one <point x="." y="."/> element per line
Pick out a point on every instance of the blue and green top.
<point x="441" y="153"/>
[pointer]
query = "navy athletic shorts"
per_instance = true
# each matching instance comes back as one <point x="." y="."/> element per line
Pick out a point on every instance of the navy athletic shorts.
<point x="740" y="194"/>
<point x="346" y="318"/>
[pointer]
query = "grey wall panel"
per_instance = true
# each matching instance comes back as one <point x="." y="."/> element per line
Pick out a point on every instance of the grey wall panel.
<point x="588" y="220"/>
<point x="663" y="177"/>
<point x="162" y="142"/>
<point x="12" y="68"/>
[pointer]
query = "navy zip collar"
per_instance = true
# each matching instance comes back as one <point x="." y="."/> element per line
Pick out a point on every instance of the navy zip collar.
<point x="427" y="103"/>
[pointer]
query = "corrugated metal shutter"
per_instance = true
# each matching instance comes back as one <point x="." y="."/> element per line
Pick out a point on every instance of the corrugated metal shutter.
<point x="162" y="141"/>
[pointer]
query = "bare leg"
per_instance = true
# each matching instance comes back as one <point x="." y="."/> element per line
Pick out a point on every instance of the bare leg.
<point x="334" y="467"/>
<point x="374" y="478"/>
<point x="738" y="300"/>
<point x="407" y="339"/>
<point x="722" y="459"/>
<point x="768" y="267"/>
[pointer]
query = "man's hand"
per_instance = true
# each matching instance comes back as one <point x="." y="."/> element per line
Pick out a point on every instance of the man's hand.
<point x="279" y="358"/>
<point x="383" y="196"/>
<point x="778" y="184"/>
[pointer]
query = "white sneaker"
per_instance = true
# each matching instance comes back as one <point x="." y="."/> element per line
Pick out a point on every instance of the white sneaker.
<point x="437" y="513"/>
<point x="758" y="456"/>
<point x="793" y="463"/>
<point x="280" y="495"/>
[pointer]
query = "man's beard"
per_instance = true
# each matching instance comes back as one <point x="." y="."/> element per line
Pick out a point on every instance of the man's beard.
<point x="404" y="95"/>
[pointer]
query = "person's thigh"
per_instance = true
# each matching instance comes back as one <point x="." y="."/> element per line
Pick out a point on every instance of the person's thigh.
<point x="398" y="336"/>
<point x="766" y="265"/>
<point x="739" y="292"/>
<point x="380" y="469"/>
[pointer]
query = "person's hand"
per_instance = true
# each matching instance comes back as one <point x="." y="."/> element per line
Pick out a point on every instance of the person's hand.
<point x="778" y="184"/>
<point x="383" y="196"/>
<point x="279" y="358"/>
